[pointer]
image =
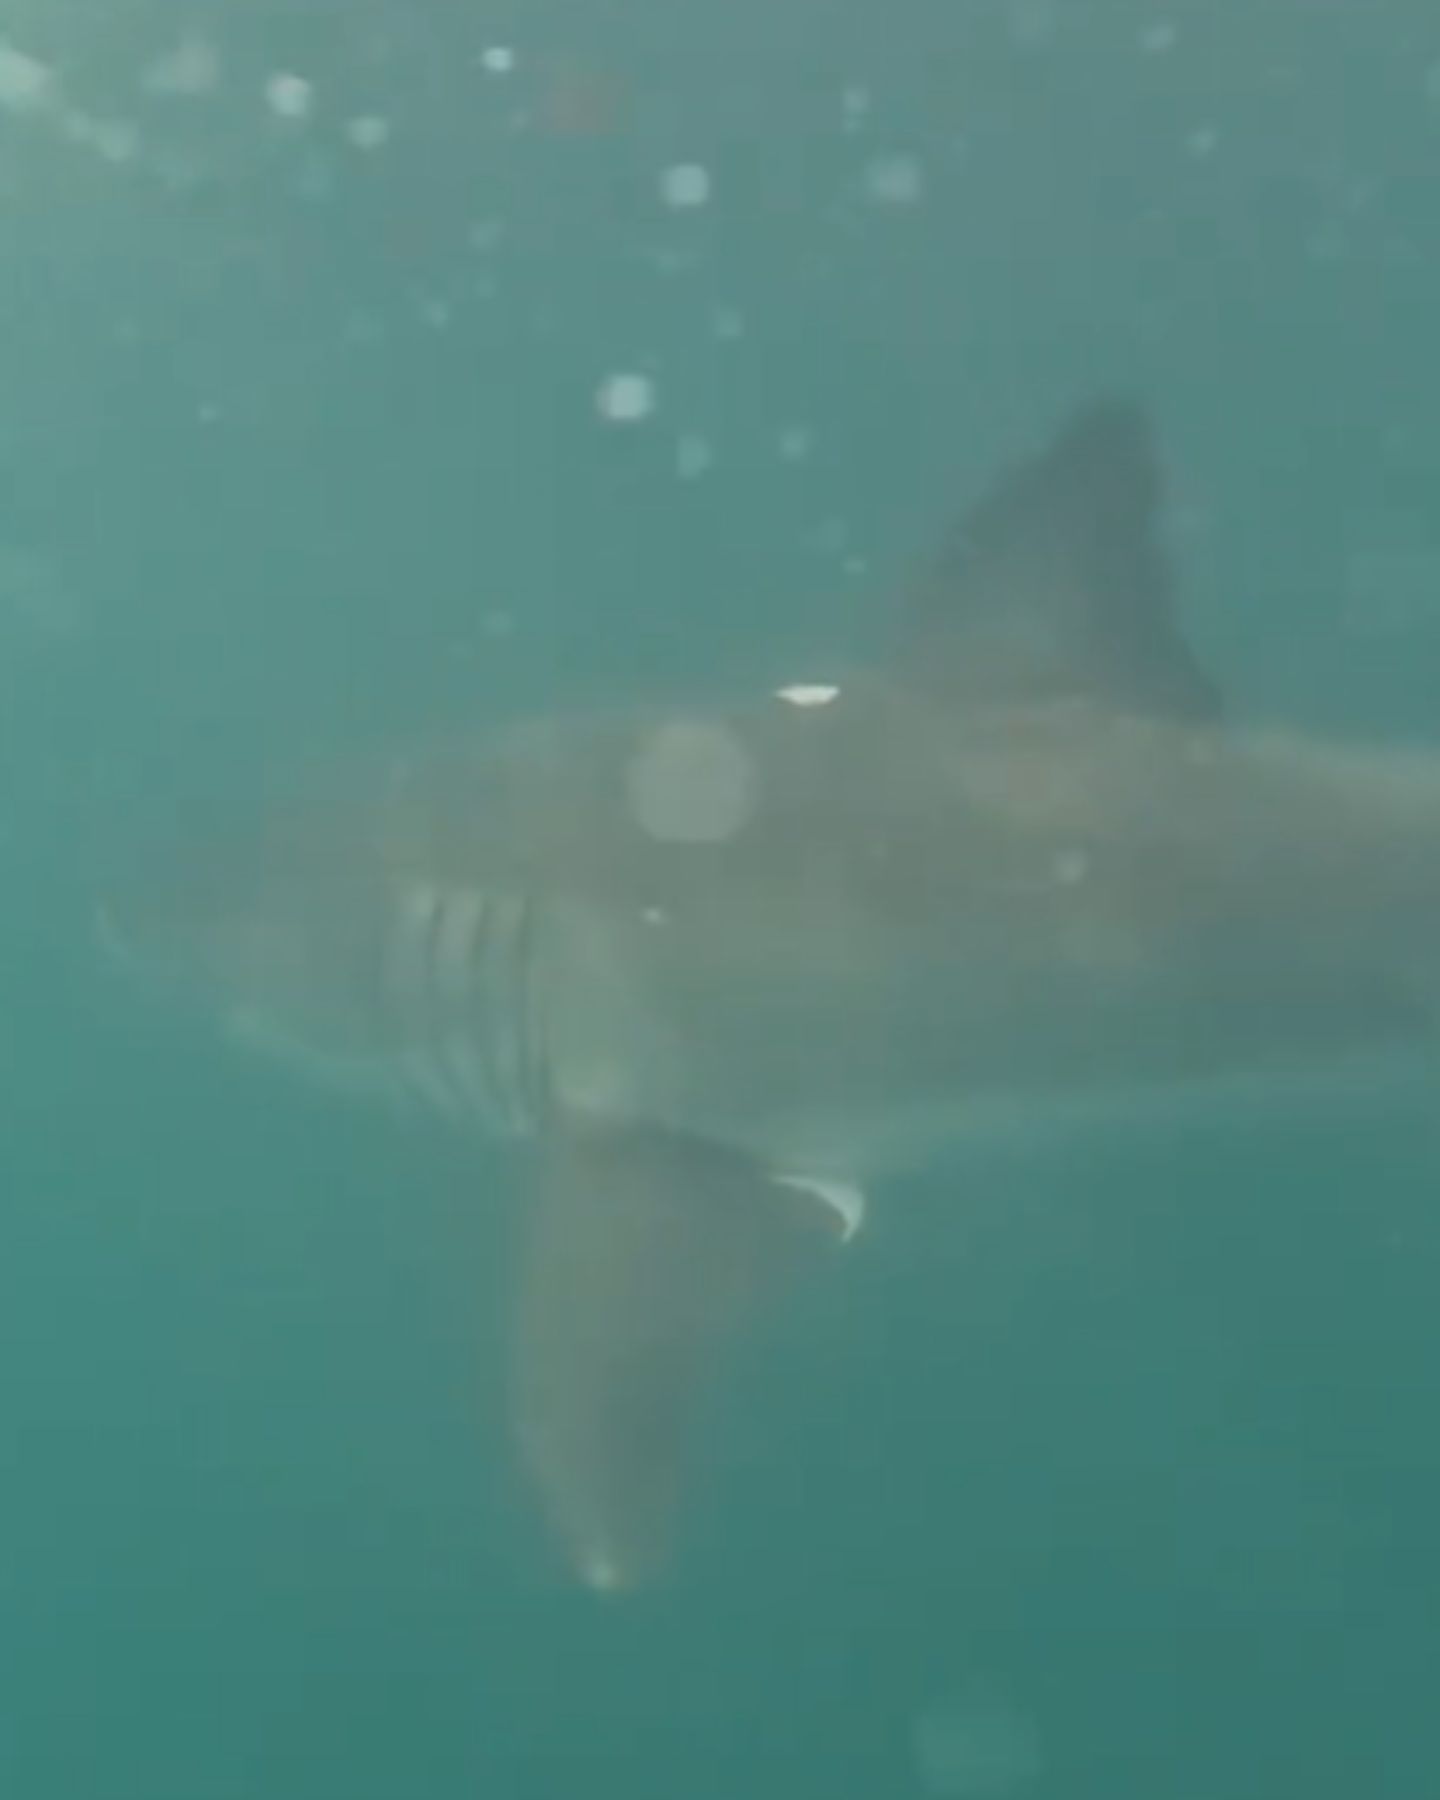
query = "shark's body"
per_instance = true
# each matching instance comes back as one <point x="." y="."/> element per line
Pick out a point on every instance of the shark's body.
<point x="913" y="920"/>
<point x="726" y="967"/>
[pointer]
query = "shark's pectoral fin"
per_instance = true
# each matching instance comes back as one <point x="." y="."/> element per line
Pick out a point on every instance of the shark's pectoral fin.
<point x="647" y="1252"/>
<point x="1056" y="585"/>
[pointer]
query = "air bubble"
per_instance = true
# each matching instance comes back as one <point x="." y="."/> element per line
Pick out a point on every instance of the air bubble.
<point x="369" y="132"/>
<point x="26" y="83"/>
<point x="795" y="443"/>
<point x="691" y="783"/>
<point x="855" y="105"/>
<point x="1071" y="867"/>
<point x="977" y="1747"/>
<point x="693" y="457"/>
<point x="625" y="399"/>
<point x="190" y="69"/>
<point x="895" y="180"/>
<point x="289" y="96"/>
<point x="113" y="140"/>
<point x="685" y="185"/>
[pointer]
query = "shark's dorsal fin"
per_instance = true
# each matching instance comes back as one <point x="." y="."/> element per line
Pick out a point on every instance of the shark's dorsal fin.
<point x="1056" y="585"/>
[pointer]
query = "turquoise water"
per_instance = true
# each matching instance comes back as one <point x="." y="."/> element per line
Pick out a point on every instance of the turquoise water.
<point x="1108" y="1471"/>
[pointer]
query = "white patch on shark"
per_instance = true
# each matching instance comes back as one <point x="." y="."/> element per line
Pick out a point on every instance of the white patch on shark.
<point x="409" y="988"/>
<point x="842" y="1197"/>
<point x="808" y="693"/>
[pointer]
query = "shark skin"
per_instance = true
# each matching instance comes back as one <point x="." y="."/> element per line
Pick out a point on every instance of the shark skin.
<point x="717" y="971"/>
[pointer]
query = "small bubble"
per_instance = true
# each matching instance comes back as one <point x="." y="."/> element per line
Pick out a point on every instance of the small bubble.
<point x="625" y="399"/>
<point x="1071" y="867"/>
<point x="727" y="323"/>
<point x="114" y="140"/>
<point x="178" y="172"/>
<point x="895" y="180"/>
<point x="26" y="83"/>
<point x="693" y="456"/>
<point x="289" y="96"/>
<point x="369" y="132"/>
<point x="316" y="180"/>
<point x="117" y="140"/>
<point x="1159" y="38"/>
<point x="499" y="59"/>
<point x="978" y="1747"/>
<point x="1328" y="243"/>
<point x="668" y="262"/>
<point x="855" y="106"/>
<point x="796" y="443"/>
<point x="485" y="235"/>
<point x="831" y="537"/>
<point x="190" y="69"/>
<point x="692" y="783"/>
<point x="362" y="330"/>
<point x="1203" y="140"/>
<point x="1032" y="23"/>
<point x="685" y="185"/>
<point x="34" y="604"/>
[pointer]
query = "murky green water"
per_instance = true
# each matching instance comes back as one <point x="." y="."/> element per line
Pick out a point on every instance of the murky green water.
<point x="1108" y="1471"/>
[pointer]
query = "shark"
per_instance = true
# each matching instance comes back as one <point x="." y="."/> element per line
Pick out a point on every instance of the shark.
<point x="721" y="973"/>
